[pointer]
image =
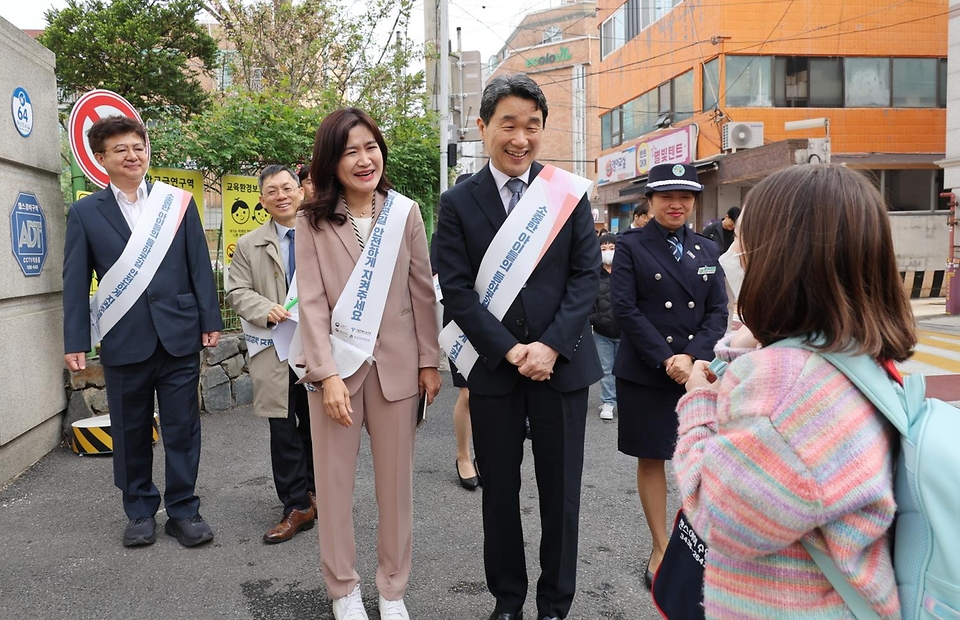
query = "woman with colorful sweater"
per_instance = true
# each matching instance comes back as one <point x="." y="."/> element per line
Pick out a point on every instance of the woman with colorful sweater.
<point x="784" y="447"/>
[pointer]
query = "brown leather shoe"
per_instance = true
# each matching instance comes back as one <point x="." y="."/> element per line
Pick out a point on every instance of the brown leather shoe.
<point x="313" y="499"/>
<point x="292" y="523"/>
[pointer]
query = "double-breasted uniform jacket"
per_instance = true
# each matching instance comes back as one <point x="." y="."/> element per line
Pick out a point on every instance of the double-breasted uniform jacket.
<point x="407" y="340"/>
<point x="553" y="307"/>
<point x="179" y="304"/>
<point x="665" y="307"/>
<point x="257" y="282"/>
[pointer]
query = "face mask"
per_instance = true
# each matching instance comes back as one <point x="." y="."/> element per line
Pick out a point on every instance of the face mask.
<point x="606" y="256"/>
<point x="733" y="270"/>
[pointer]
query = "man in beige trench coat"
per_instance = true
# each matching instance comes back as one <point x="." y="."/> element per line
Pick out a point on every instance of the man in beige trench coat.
<point x="257" y="284"/>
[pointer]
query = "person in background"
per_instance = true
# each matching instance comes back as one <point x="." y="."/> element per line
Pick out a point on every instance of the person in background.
<point x="351" y="185"/>
<point x="303" y="173"/>
<point x="466" y="466"/>
<point x="721" y="232"/>
<point x="783" y="446"/>
<point x="262" y="268"/>
<point x="606" y="333"/>
<point x="641" y="214"/>
<point x="669" y="301"/>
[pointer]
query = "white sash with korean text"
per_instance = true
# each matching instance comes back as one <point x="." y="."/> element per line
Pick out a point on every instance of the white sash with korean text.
<point x="258" y="339"/>
<point x="516" y="250"/>
<point x="128" y="278"/>
<point x="355" y="320"/>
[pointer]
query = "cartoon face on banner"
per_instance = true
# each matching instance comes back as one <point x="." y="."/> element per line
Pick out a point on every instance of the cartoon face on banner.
<point x="241" y="203"/>
<point x="260" y="214"/>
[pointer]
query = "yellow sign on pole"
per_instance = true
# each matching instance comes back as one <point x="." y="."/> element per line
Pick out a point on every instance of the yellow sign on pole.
<point x="242" y="211"/>
<point x="189" y="180"/>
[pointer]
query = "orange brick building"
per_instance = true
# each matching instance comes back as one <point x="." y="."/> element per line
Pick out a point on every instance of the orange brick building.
<point x="557" y="48"/>
<point x="876" y="70"/>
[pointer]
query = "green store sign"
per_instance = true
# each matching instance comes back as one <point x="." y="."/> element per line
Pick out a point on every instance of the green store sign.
<point x="549" y="59"/>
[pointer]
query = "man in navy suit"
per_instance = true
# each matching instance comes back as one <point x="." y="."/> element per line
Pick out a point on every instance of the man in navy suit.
<point x="154" y="346"/>
<point x="538" y="361"/>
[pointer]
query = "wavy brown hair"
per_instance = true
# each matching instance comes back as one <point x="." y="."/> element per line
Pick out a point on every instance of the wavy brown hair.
<point x="820" y="264"/>
<point x="328" y="148"/>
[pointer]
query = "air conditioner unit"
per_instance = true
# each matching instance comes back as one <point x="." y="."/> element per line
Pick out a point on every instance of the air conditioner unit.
<point x="742" y="136"/>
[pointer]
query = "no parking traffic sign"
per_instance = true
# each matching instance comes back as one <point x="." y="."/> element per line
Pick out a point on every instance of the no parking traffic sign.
<point x="90" y="108"/>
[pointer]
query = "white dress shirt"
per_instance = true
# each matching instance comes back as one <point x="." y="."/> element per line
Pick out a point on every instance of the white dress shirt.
<point x="131" y="210"/>
<point x="501" y="180"/>
<point x="284" y="246"/>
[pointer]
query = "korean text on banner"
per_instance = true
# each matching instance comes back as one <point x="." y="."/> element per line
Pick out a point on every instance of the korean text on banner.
<point x="242" y="211"/>
<point x="187" y="180"/>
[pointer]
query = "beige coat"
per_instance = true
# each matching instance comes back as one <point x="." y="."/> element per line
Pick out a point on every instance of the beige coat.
<point x="255" y="284"/>
<point x="407" y="339"/>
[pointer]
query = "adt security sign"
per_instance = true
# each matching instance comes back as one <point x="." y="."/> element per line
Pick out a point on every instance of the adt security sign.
<point x="22" y="111"/>
<point x="28" y="233"/>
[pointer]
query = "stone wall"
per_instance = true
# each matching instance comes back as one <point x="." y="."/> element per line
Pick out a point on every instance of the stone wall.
<point x="224" y="383"/>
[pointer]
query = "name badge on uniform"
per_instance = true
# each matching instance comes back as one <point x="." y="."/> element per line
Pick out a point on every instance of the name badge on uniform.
<point x="708" y="271"/>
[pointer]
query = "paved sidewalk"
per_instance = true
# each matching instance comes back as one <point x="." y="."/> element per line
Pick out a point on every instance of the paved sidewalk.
<point x="61" y="523"/>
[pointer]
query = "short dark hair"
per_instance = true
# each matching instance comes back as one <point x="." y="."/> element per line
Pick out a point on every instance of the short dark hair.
<point x="606" y="238"/>
<point x="642" y="208"/>
<point x="733" y="213"/>
<point x="303" y="172"/>
<point x="512" y="85"/>
<point x="820" y="263"/>
<point x="111" y="126"/>
<point x="328" y="147"/>
<point x="273" y="170"/>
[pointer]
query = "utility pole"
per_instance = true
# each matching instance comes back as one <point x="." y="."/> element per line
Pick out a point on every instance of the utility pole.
<point x="444" y="107"/>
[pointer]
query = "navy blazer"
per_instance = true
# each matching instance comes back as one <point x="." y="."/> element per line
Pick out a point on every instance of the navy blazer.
<point x="664" y="307"/>
<point x="179" y="304"/>
<point x="553" y="307"/>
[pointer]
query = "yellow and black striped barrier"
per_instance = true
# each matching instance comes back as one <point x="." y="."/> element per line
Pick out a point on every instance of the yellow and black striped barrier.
<point x="92" y="435"/>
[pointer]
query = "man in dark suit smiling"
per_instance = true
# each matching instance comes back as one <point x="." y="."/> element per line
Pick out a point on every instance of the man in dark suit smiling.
<point x="538" y="361"/>
<point x="152" y="342"/>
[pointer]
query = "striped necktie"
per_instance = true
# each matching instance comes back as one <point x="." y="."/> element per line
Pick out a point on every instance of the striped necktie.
<point x="515" y="186"/>
<point x="291" y="255"/>
<point x="675" y="246"/>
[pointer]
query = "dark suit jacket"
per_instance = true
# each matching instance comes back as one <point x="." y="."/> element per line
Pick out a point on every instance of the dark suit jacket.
<point x="664" y="307"/>
<point x="179" y="304"/>
<point x="553" y="307"/>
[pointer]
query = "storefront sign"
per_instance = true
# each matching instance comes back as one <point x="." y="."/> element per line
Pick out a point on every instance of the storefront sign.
<point x="617" y="166"/>
<point x="549" y="59"/>
<point x="675" y="147"/>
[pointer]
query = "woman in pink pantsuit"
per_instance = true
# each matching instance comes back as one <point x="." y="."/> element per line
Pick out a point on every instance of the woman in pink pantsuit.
<point x="348" y="175"/>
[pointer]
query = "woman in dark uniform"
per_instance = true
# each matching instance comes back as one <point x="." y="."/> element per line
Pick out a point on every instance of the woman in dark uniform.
<point x="670" y="302"/>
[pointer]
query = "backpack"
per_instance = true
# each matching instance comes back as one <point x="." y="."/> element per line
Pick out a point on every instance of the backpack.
<point x="926" y="554"/>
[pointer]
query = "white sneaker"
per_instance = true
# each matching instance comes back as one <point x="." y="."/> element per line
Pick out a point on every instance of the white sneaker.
<point x="350" y="607"/>
<point x="606" y="411"/>
<point x="393" y="610"/>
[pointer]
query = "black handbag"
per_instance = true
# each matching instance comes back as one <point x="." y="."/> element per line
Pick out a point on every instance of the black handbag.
<point x="678" y="584"/>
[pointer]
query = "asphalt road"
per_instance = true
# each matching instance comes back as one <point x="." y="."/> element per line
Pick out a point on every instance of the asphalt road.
<point x="61" y="523"/>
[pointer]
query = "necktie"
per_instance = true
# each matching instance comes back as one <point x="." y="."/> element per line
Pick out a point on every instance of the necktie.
<point x="675" y="246"/>
<point x="515" y="186"/>
<point x="291" y="255"/>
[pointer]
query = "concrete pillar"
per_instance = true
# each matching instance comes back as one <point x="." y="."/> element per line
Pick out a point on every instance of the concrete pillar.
<point x="32" y="394"/>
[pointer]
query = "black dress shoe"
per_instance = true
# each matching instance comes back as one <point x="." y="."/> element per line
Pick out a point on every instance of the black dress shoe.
<point x="648" y="576"/>
<point x="503" y="615"/>
<point x="550" y="618"/>
<point x="189" y="532"/>
<point x="140" y="532"/>
<point x="470" y="483"/>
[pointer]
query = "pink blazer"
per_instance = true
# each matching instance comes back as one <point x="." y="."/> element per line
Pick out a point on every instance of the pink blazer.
<point x="407" y="340"/>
